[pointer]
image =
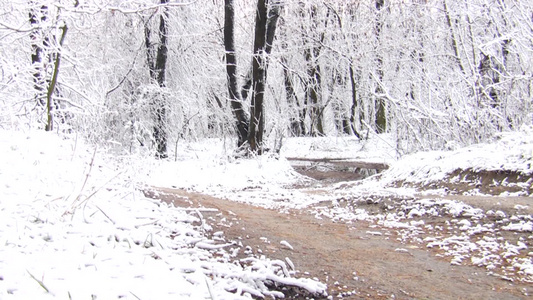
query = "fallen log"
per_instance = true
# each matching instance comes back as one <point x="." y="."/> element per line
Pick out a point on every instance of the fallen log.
<point x="345" y="162"/>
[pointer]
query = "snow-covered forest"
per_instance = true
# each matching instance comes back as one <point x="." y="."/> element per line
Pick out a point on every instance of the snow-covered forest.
<point x="113" y="112"/>
<point x="434" y="74"/>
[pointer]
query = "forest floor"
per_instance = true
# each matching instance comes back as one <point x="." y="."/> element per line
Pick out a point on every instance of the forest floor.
<point x="361" y="258"/>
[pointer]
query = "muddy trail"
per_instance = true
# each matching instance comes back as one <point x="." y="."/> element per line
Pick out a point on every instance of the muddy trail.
<point x="353" y="263"/>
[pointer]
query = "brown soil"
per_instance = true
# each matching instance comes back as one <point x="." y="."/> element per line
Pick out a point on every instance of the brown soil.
<point x="354" y="264"/>
<point x="488" y="182"/>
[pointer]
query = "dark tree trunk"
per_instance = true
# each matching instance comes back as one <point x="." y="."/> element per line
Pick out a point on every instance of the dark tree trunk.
<point x="292" y="100"/>
<point x="272" y="20"/>
<point x="42" y="57"/>
<point x="381" y="114"/>
<point x="53" y="82"/>
<point x="313" y="94"/>
<point x="162" y="50"/>
<point x="157" y="70"/>
<point x="257" y="120"/>
<point x="313" y="83"/>
<point x="150" y="61"/>
<point x="313" y="88"/>
<point x="37" y="16"/>
<point x="356" y="105"/>
<point x="231" y="73"/>
<point x="489" y="78"/>
<point x="247" y="85"/>
<point x="453" y="37"/>
<point x="265" y="27"/>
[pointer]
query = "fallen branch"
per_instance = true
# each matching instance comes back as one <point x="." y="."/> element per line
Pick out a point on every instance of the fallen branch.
<point x="346" y="162"/>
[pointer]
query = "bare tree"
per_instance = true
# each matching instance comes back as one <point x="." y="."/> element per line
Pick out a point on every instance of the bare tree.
<point x="46" y="55"/>
<point x="250" y="130"/>
<point x="38" y="14"/>
<point x="231" y="73"/>
<point x="157" y="67"/>
<point x="381" y="116"/>
<point x="259" y="67"/>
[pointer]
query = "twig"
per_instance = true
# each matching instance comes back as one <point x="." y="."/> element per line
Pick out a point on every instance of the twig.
<point x="209" y="289"/>
<point x="184" y="128"/>
<point x="148" y="244"/>
<point x="112" y="9"/>
<point x="377" y="135"/>
<point x="105" y="215"/>
<point x="98" y="189"/>
<point x="134" y="295"/>
<point x="39" y="282"/>
<point x="88" y="174"/>
<point x="125" y="76"/>
<point x="86" y="200"/>
<point x="201" y="219"/>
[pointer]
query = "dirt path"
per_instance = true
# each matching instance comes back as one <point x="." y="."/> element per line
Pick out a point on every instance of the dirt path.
<point x="353" y="263"/>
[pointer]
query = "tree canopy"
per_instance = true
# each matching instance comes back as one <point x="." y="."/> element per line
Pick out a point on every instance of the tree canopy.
<point x="430" y="73"/>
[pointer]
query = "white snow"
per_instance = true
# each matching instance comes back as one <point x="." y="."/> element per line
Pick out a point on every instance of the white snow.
<point x="73" y="223"/>
<point x="522" y="226"/>
<point x="511" y="151"/>
<point x="287" y="245"/>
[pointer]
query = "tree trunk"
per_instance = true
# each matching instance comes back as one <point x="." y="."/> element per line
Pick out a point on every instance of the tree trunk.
<point x="313" y="94"/>
<point x="257" y="120"/>
<point x="38" y="16"/>
<point x="44" y="56"/>
<point x="292" y="100"/>
<point x="150" y="60"/>
<point x="271" y="26"/>
<point x="356" y="105"/>
<point x="53" y="82"/>
<point x="453" y="37"/>
<point x="272" y="22"/>
<point x="313" y="83"/>
<point x="159" y="75"/>
<point x="381" y="115"/>
<point x="231" y="73"/>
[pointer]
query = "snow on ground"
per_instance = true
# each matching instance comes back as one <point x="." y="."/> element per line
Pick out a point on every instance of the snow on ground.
<point x="208" y="166"/>
<point x="268" y="181"/>
<point x="460" y="232"/>
<point x="380" y="149"/>
<point x="512" y="151"/>
<point x="73" y="226"/>
<point x="73" y="223"/>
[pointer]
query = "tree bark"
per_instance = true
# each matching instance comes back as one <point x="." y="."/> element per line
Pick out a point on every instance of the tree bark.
<point x="313" y="94"/>
<point x="158" y="74"/>
<point x="292" y="99"/>
<point x="453" y="37"/>
<point x="381" y="114"/>
<point x="272" y="20"/>
<point x="257" y="120"/>
<point x="313" y="84"/>
<point x="38" y="16"/>
<point x="162" y="50"/>
<point x="150" y="61"/>
<point x="53" y="82"/>
<point x="356" y="105"/>
<point x="231" y="73"/>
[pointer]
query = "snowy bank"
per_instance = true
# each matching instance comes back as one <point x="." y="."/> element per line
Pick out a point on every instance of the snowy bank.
<point x="72" y="225"/>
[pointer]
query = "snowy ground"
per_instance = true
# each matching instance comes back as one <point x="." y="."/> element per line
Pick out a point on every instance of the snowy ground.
<point x="73" y="222"/>
<point x="73" y="226"/>
<point x="496" y="239"/>
<point x="208" y="167"/>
